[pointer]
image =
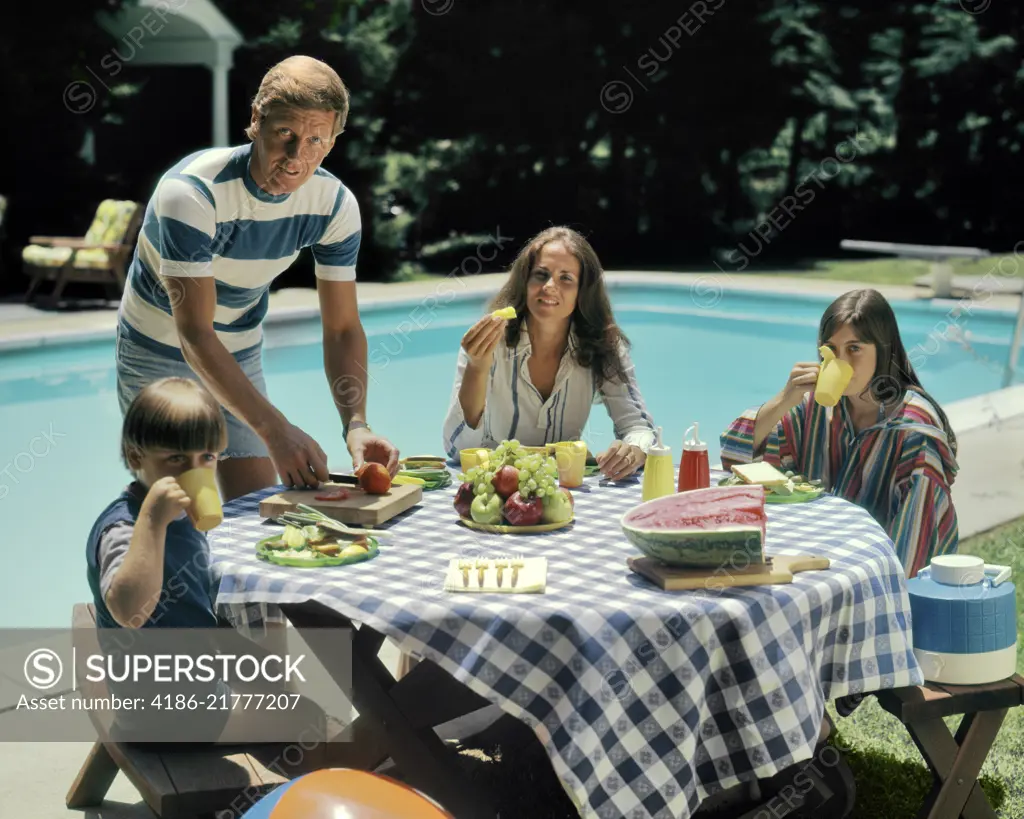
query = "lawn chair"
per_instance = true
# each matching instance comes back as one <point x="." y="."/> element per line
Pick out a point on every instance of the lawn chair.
<point x="101" y="256"/>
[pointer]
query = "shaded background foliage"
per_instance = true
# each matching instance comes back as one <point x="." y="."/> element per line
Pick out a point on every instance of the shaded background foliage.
<point x="490" y="116"/>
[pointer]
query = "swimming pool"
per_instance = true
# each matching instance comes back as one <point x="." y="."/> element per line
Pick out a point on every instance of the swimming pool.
<point x="700" y="356"/>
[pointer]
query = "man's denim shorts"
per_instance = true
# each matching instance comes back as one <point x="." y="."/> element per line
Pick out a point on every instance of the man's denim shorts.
<point x="136" y="367"/>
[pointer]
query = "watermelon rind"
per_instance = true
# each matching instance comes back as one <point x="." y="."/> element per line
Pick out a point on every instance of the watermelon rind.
<point x="731" y="546"/>
<point x="697" y="541"/>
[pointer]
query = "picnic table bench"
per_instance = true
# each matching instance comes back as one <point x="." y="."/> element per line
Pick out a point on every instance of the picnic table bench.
<point x="175" y="784"/>
<point x="954" y="760"/>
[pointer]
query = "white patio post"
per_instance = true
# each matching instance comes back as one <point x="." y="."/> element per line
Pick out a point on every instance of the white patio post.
<point x="195" y="33"/>
<point x="220" y="68"/>
<point x="220" y="105"/>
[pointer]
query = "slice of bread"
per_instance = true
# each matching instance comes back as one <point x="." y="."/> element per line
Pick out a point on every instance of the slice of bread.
<point x="760" y="473"/>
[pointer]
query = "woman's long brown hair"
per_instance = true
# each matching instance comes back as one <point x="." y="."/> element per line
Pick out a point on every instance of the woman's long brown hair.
<point x="592" y="319"/>
<point x="874" y="321"/>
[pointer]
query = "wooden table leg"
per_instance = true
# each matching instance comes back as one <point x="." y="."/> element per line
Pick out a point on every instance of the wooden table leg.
<point x="956" y="763"/>
<point x="428" y="764"/>
<point x="94" y="779"/>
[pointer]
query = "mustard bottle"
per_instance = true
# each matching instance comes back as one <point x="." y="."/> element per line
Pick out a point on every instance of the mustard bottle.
<point x="659" y="477"/>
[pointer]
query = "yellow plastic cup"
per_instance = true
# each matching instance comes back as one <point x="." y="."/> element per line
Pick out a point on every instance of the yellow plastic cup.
<point x="833" y="378"/>
<point x="476" y="456"/>
<point x="200" y="485"/>
<point x="571" y="457"/>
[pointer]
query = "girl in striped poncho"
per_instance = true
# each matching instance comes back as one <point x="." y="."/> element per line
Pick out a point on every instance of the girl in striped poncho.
<point x="887" y="445"/>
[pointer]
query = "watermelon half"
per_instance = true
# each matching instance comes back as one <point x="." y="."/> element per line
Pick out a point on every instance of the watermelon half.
<point x="714" y="527"/>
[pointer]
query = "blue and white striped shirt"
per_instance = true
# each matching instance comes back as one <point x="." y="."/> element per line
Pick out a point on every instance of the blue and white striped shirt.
<point x="208" y="218"/>
<point x="514" y="408"/>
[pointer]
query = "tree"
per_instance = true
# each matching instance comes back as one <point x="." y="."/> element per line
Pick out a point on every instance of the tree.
<point x="49" y="109"/>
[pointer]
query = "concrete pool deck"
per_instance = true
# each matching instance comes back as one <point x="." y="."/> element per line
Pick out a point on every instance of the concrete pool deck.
<point x="989" y="490"/>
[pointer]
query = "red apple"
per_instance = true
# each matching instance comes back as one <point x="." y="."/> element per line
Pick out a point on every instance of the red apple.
<point x="506" y="481"/>
<point x="464" y="499"/>
<point x="522" y="512"/>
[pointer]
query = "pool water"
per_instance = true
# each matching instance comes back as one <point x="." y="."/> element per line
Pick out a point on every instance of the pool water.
<point x="699" y="358"/>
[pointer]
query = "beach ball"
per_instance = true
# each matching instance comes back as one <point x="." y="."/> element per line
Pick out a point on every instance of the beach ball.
<point x="343" y="793"/>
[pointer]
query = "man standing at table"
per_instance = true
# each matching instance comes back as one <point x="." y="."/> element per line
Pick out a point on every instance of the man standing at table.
<point x="221" y="226"/>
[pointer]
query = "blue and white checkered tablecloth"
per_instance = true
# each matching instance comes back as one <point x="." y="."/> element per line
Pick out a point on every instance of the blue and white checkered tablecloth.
<point x="646" y="701"/>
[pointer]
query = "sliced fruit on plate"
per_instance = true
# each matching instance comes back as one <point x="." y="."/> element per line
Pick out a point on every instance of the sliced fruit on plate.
<point x="353" y="550"/>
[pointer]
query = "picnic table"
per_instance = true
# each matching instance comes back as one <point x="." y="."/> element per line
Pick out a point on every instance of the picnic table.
<point x="645" y="701"/>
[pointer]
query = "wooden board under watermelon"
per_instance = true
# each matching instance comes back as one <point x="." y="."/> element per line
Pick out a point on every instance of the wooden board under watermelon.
<point x="359" y="508"/>
<point x="777" y="569"/>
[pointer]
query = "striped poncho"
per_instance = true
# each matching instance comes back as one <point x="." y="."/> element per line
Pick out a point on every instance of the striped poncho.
<point x="900" y="469"/>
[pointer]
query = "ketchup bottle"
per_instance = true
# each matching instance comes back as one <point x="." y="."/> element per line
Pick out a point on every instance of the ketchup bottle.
<point x="694" y="469"/>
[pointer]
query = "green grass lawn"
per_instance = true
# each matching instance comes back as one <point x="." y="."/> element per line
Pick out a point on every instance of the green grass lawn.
<point x="892" y="779"/>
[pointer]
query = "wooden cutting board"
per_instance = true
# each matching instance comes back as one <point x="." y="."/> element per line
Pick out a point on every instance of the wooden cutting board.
<point x="358" y="508"/>
<point x="778" y="569"/>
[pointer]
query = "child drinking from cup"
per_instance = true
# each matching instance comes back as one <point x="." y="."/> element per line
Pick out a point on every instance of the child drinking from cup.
<point x="148" y="558"/>
<point x="886" y="445"/>
<point x="148" y="563"/>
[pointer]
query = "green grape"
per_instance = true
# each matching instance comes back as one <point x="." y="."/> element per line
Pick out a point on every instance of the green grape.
<point x="513" y="444"/>
<point x="531" y="484"/>
<point x="519" y="463"/>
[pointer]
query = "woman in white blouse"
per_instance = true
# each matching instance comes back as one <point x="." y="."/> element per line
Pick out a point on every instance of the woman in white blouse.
<point x="534" y="378"/>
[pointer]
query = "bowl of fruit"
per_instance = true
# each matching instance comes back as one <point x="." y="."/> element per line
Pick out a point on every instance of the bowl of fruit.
<point x="515" y="492"/>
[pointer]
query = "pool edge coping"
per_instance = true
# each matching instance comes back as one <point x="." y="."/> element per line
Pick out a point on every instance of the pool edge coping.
<point x="474" y="289"/>
<point x="981" y="410"/>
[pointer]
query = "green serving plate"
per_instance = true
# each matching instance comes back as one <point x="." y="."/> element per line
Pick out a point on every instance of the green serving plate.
<point x="772" y="497"/>
<point x="281" y="558"/>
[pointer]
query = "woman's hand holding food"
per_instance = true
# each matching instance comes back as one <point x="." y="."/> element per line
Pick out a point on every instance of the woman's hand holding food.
<point x="481" y="339"/>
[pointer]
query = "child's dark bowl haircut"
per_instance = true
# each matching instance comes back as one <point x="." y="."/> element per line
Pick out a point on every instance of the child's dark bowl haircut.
<point x="178" y="414"/>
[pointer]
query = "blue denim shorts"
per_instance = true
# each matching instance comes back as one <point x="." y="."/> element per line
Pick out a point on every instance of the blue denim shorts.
<point x="136" y="367"/>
